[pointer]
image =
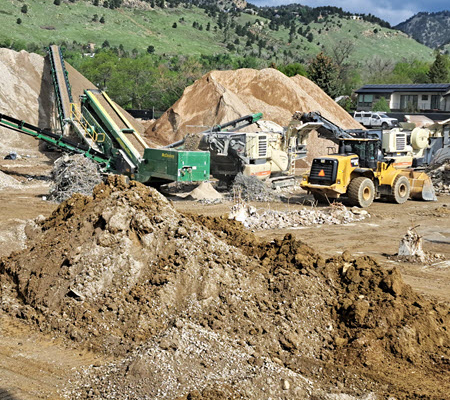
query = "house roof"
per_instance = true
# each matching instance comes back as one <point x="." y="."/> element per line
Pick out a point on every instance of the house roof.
<point x="422" y="87"/>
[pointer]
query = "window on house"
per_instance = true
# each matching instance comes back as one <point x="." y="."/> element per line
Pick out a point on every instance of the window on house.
<point x="424" y="97"/>
<point x="408" y="102"/>
<point x="435" y="102"/>
<point x="365" y="100"/>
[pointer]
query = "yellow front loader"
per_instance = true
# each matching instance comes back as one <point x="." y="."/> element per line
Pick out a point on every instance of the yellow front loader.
<point x="361" y="173"/>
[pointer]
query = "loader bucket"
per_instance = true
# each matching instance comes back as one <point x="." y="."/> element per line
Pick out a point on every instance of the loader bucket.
<point x="421" y="186"/>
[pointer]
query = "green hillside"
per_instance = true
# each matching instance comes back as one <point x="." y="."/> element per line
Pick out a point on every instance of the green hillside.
<point x="137" y="29"/>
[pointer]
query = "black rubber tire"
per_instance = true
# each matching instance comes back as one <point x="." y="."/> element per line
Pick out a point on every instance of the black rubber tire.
<point x="400" y="190"/>
<point x="384" y="126"/>
<point x="361" y="192"/>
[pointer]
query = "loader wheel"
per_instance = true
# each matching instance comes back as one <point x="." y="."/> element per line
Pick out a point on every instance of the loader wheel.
<point x="361" y="192"/>
<point x="400" y="190"/>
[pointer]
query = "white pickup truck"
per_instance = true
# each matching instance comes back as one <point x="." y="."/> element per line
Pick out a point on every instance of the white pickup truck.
<point x="375" y="119"/>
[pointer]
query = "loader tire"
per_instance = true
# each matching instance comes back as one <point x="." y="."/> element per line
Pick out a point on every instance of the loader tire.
<point x="361" y="192"/>
<point x="400" y="190"/>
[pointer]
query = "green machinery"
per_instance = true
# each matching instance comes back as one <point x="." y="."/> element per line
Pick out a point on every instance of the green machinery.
<point x="100" y="131"/>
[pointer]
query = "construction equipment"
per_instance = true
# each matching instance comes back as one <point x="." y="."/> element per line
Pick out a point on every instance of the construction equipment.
<point x="430" y="144"/>
<point x="267" y="154"/>
<point x="360" y="170"/>
<point x="100" y="131"/>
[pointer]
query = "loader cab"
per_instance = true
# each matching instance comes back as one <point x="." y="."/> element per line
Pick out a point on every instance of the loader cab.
<point x="368" y="151"/>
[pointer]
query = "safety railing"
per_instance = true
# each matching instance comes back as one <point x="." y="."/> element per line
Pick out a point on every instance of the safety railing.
<point x="76" y="115"/>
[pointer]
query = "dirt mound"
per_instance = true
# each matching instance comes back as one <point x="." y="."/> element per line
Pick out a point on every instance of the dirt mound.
<point x="221" y="96"/>
<point x="194" y="305"/>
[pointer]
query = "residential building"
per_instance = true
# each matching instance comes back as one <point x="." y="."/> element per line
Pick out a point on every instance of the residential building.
<point x="412" y="97"/>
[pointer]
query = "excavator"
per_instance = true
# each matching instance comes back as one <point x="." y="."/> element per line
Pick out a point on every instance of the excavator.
<point x="360" y="170"/>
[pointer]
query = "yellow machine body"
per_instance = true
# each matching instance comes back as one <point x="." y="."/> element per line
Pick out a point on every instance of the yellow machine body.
<point x="332" y="176"/>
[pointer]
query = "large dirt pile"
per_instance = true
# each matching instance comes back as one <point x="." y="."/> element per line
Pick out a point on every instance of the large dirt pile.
<point x="221" y="96"/>
<point x="26" y="93"/>
<point x="194" y="307"/>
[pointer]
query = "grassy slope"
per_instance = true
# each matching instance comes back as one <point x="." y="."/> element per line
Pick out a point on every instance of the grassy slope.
<point x="131" y="28"/>
<point x="140" y="28"/>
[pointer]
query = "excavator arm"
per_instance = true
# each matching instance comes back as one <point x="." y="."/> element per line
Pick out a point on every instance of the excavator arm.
<point x="302" y="124"/>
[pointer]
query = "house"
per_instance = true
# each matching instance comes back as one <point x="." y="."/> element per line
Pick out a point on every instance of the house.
<point x="415" y="97"/>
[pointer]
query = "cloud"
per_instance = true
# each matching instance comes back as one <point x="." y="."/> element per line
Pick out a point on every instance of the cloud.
<point x="388" y="10"/>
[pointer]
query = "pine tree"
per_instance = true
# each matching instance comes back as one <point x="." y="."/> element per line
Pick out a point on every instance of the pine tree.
<point x="439" y="70"/>
<point x="24" y="9"/>
<point x="325" y="74"/>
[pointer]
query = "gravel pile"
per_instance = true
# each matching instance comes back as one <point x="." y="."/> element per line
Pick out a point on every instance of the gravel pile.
<point x="441" y="178"/>
<point x="336" y="214"/>
<point x="250" y="188"/>
<point x="7" y="181"/>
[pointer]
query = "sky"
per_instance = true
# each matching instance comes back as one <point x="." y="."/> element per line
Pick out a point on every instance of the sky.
<point x="389" y="10"/>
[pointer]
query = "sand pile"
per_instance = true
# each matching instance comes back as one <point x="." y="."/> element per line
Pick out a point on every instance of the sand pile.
<point x="195" y="306"/>
<point x="26" y="93"/>
<point x="222" y="96"/>
<point x="204" y="192"/>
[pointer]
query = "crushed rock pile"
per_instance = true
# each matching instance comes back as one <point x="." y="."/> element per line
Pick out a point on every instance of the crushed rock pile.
<point x="191" y="306"/>
<point x="336" y="214"/>
<point x="222" y="96"/>
<point x="250" y="188"/>
<point x="440" y="175"/>
<point x="73" y="174"/>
